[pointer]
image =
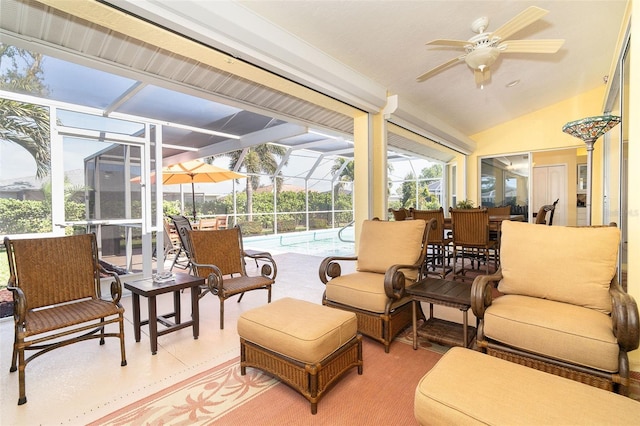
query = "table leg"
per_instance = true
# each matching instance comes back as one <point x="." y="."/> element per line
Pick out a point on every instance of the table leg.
<point x="176" y="306"/>
<point x="135" y="304"/>
<point x="153" y="324"/>
<point x="414" y="310"/>
<point x="195" y="310"/>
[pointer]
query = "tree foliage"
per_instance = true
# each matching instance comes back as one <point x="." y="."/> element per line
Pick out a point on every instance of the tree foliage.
<point x="24" y="124"/>
<point x="259" y="159"/>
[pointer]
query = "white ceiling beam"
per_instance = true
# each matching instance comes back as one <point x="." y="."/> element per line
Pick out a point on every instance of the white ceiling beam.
<point x="239" y="32"/>
<point x="271" y="134"/>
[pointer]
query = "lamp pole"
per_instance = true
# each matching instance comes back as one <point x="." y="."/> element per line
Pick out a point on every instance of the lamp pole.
<point x="590" y="143"/>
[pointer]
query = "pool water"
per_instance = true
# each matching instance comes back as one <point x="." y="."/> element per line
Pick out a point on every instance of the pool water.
<point x="325" y="242"/>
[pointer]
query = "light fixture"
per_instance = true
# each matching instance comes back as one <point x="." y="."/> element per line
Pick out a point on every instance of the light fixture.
<point x="512" y="83"/>
<point x="589" y="130"/>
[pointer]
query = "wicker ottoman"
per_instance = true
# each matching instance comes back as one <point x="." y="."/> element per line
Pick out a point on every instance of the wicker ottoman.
<point x="468" y="387"/>
<point x="305" y="345"/>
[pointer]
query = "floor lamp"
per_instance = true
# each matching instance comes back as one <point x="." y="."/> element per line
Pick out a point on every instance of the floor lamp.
<point x="589" y="130"/>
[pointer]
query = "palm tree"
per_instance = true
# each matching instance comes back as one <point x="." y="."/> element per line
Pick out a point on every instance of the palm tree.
<point x="259" y="159"/>
<point x="25" y="124"/>
<point x="346" y="175"/>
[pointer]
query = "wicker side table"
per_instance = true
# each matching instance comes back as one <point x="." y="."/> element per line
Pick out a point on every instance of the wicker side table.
<point x="453" y="294"/>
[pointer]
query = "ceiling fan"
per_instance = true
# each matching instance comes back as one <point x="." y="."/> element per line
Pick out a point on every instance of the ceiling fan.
<point x="482" y="50"/>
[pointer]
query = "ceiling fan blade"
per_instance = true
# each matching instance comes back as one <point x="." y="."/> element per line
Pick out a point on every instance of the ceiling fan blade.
<point x="482" y="76"/>
<point x="450" y="43"/>
<point x="523" y="19"/>
<point x="531" y="46"/>
<point x="439" y="68"/>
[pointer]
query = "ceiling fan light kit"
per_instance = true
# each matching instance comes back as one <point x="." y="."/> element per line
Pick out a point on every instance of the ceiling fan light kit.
<point x="483" y="49"/>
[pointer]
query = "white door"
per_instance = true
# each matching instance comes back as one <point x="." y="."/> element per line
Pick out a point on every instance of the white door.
<point x="550" y="184"/>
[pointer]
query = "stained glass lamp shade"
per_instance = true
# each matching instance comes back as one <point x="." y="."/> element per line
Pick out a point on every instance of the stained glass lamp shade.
<point x="589" y="130"/>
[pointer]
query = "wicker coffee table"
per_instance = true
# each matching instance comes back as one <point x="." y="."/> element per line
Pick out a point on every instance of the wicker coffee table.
<point x="454" y="294"/>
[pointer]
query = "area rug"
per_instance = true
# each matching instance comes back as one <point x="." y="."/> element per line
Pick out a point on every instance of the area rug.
<point x="383" y="394"/>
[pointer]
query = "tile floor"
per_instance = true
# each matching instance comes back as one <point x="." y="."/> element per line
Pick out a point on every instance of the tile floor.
<point x="84" y="381"/>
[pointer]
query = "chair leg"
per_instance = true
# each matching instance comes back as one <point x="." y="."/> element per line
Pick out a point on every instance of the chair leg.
<point x="22" y="399"/>
<point x="221" y="313"/>
<point x="123" y="355"/>
<point x="14" y="356"/>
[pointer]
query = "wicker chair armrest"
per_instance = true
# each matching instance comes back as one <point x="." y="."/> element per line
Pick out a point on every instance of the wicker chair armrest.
<point x="215" y="280"/>
<point x="19" y="304"/>
<point x="624" y="314"/>
<point x="116" y="284"/>
<point x="330" y="268"/>
<point x="395" y="280"/>
<point x="481" y="292"/>
<point x="268" y="270"/>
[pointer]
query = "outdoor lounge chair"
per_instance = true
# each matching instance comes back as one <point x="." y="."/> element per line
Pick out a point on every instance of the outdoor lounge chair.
<point x="57" y="298"/>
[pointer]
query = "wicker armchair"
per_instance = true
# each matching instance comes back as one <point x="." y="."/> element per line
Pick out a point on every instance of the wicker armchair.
<point x="390" y="257"/>
<point x="57" y="297"/>
<point x="219" y="257"/>
<point x="562" y="310"/>
<point x="438" y="253"/>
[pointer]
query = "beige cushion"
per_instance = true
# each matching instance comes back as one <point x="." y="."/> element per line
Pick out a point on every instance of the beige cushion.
<point x="301" y="330"/>
<point x="466" y="387"/>
<point x="363" y="290"/>
<point x="384" y="244"/>
<point x="558" y="330"/>
<point x="572" y="265"/>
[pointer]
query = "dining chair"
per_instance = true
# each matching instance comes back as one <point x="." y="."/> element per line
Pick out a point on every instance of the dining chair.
<point x="470" y="238"/>
<point x="541" y="217"/>
<point x="400" y="214"/>
<point x="438" y="252"/>
<point x="499" y="211"/>
<point x="494" y="228"/>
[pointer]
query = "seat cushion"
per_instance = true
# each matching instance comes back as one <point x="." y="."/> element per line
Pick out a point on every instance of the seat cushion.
<point x="572" y="265"/>
<point x="467" y="387"/>
<point x="362" y="290"/>
<point x="558" y="330"/>
<point x="298" y="329"/>
<point x="384" y="244"/>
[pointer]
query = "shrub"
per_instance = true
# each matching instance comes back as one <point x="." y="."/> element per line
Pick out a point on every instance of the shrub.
<point x="250" y="228"/>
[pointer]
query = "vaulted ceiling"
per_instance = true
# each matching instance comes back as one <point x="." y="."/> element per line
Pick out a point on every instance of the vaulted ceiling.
<point x="357" y="53"/>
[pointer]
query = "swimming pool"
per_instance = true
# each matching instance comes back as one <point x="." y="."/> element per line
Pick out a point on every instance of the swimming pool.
<point x="322" y="242"/>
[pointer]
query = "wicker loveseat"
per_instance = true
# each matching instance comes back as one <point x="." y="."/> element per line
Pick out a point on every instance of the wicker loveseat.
<point x="561" y="308"/>
<point x="390" y="257"/>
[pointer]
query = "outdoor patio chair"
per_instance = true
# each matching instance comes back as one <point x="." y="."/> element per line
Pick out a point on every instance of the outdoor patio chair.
<point x="390" y="257"/>
<point x="219" y="257"/>
<point x="183" y="258"/>
<point x="57" y="297"/>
